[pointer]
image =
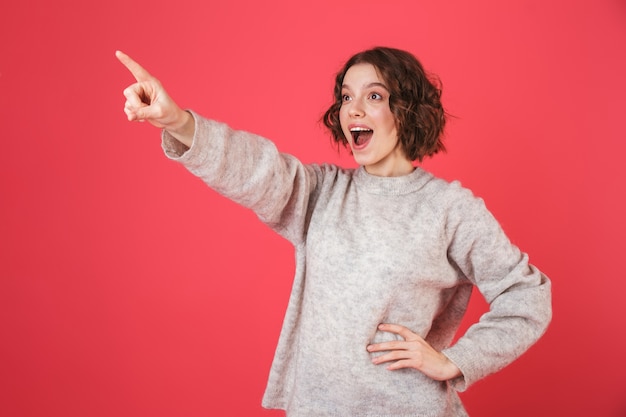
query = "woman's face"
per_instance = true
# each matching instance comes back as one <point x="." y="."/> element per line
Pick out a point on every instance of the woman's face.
<point x="369" y="125"/>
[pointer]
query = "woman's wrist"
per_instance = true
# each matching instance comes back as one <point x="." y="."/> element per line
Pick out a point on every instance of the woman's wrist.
<point x="183" y="129"/>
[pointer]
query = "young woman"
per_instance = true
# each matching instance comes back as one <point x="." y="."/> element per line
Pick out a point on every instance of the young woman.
<point x="387" y="254"/>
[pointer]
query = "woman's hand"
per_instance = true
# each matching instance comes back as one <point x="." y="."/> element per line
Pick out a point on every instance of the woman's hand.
<point x="148" y="100"/>
<point x="413" y="352"/>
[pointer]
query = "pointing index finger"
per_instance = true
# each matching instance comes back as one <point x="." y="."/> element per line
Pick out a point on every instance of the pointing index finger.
<point x="137" y="70"/>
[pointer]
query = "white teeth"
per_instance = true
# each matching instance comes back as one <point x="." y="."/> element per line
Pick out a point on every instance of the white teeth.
<point x="360" y="129"/>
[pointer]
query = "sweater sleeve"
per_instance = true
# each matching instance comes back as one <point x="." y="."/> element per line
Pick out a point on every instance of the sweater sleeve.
<point x="519" y="295"/>
<point x="249" y="170"/>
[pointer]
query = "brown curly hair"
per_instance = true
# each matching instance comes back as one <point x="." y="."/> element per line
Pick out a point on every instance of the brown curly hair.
<point x="414" y="100"/>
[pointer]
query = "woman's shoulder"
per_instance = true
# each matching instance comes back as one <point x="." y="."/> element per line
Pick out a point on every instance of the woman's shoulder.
<point x="449" y="192"/>
<point x="442" y="185"/>
<point x="328" y="171"/>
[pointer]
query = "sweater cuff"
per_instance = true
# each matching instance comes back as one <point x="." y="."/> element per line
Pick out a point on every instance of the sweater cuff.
<point x="174" y="149"/>
<point x="462" y="382"/>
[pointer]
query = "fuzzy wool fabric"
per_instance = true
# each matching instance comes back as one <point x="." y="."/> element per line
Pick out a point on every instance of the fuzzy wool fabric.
<point x="405" y="250"/>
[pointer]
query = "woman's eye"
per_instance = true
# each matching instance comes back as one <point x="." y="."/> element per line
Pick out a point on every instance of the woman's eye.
<point x="376" y="96"/>
<point x="345" y="97"/>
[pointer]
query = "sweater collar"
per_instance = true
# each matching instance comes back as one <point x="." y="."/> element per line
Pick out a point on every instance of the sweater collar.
<point x="404" y="184"/>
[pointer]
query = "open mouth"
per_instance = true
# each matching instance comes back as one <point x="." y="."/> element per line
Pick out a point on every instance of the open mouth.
<point x="361" y="135"/>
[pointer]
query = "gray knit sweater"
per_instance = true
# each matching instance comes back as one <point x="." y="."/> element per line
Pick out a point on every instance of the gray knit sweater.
<point x="405" y="250"/>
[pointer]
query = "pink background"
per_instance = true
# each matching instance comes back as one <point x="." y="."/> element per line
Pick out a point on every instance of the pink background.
<point x="129" y="289"/>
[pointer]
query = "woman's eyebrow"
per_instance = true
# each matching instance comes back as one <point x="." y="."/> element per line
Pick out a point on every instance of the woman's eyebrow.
<point x="376" y="84"/>
<point x="367" y="86"/>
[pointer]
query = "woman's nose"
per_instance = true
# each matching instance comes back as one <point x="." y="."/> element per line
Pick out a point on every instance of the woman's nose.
<point x="356" y="109"/>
